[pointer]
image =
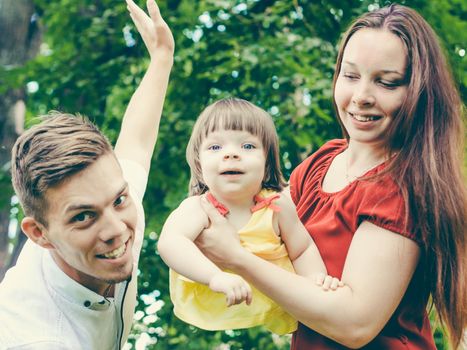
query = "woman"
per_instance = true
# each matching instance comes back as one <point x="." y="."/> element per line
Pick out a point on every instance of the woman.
<point x="386" y="206"/>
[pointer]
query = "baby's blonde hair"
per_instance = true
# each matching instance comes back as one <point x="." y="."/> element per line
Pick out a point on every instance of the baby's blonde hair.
<point x="235" y="114"/>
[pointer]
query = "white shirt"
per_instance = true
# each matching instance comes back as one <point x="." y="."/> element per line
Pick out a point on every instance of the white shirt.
<point x="41" y="308"/>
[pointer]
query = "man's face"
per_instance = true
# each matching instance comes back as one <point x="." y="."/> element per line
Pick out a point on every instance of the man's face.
<point x="91" y="225"/>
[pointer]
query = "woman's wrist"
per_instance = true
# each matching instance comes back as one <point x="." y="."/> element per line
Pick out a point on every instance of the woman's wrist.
<point x="237" y="259"/>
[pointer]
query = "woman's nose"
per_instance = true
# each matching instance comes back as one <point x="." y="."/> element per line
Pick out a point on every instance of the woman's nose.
<point x="363" y="96"/>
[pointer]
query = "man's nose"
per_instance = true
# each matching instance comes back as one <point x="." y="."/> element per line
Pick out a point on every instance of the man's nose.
<point x="114" y="225"/>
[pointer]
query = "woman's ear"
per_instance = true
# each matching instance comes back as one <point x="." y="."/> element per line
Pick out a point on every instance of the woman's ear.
<point x="36" y="232"/>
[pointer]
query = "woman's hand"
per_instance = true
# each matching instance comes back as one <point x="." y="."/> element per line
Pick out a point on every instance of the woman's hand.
<point x="219" y="242"/>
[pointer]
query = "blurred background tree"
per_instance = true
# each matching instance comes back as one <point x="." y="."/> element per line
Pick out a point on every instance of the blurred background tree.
<point x="278" y="54"/>
<point x="19" y="41"/>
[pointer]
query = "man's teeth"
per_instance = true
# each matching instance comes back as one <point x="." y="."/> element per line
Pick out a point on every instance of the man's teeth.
<point x="116" y="253"/>
<point x="364" y="118"/>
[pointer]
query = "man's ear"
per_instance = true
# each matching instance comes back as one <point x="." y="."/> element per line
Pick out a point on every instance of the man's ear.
<point x="36" y="232"/>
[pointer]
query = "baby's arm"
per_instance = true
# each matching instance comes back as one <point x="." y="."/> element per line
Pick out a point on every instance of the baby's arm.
<point x="178" y="251"/>
<point x="303" y="252"/>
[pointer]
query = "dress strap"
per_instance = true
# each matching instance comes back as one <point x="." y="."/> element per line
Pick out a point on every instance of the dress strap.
<point x="221" y="208"/>
<point x="265" y="202"/>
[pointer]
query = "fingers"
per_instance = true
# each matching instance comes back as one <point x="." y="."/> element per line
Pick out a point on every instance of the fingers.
<point x="137" y="15"/>
<point x="134" y="9"/>
<point x="328" y="282"/>
<point x="154" y="11"/>
<point x="249" y="295"/>
<point x="211" y="211"/>
<point x="320" y="279"/>
<point x="235" y="288"/>
<point x="154" y="31"/>
<point x="239" y="294"/>
<point x="334" y="283"/>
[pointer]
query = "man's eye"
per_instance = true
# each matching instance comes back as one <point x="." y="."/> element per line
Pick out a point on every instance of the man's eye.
<point x="120" y="200"/>
<point x="248" y="146"/>
<point x="83" y="217"/>
<point x="214" y="147"/>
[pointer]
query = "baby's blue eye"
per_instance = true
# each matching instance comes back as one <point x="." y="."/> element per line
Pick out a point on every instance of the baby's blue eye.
<point x="248" y="146"/>
<point x="214" y="147"/>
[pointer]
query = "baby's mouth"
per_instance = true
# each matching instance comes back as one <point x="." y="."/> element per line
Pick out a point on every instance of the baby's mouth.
<point x="231" y="172"/>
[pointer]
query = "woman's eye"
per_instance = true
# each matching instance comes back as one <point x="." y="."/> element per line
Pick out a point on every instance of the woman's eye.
<point x="214" y="147"/>
<point x="120" y="200"/>
<point x="350" y="76"/>
<point x="248" y="146"/>
<point x="389" y="84"/>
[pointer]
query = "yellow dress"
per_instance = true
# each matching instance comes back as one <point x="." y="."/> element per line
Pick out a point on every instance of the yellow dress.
<point x="198" y="305"/>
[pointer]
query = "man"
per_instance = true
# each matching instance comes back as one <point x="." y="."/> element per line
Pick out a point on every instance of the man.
<point x="74" y="284"/>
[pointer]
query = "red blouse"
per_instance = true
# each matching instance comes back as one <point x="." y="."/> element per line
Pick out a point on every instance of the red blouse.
<point x="332" y="219"/>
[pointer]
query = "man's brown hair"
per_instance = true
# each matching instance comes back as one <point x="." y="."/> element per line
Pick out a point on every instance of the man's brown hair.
<point x="50" y="152"/>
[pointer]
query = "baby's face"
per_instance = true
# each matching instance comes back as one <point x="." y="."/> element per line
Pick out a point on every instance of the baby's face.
<point x="232" y="163"/>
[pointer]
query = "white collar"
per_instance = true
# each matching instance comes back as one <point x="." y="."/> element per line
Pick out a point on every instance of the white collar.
<point x="69" y="289"/>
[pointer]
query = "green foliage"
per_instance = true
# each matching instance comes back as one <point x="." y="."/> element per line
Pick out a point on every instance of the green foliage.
<point x="279" y="54"/>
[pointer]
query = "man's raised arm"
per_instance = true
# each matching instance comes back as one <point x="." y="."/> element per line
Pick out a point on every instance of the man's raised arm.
<point x="140" y="123"/>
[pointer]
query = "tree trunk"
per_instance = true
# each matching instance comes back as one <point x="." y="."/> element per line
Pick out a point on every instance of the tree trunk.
<point x="19" y="41"/>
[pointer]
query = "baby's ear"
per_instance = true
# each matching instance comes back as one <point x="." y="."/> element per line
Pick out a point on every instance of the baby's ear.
<point x="36" y="232"/>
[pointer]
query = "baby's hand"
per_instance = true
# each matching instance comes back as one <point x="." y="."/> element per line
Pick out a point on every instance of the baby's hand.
<point x="235" y="288"/>
<point x="328" y="282"/>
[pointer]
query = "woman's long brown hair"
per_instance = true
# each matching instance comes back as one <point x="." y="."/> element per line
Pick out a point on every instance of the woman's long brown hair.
<point x="426" y="141"/>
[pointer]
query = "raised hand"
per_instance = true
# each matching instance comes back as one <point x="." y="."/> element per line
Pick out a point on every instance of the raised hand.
<point x="140" y="124"/>
<point x="235" y="288"/>
<point x="154" y="31"/>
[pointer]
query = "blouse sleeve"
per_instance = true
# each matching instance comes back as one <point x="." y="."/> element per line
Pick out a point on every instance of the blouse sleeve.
<point x="382" y="204"/>
<point x="313" y="168"/>
<point x="296" y="179"/>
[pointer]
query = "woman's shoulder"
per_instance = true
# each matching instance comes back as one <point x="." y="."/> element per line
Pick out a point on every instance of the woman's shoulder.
<point x="331" y="147"/>
<point x="334" y="144"/>
<point x="381" y="201"/>
<point x="325" y="152"/>
<point x="318" y="161"/>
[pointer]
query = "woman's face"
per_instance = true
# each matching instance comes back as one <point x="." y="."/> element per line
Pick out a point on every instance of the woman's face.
<point x="371" y="85"/>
